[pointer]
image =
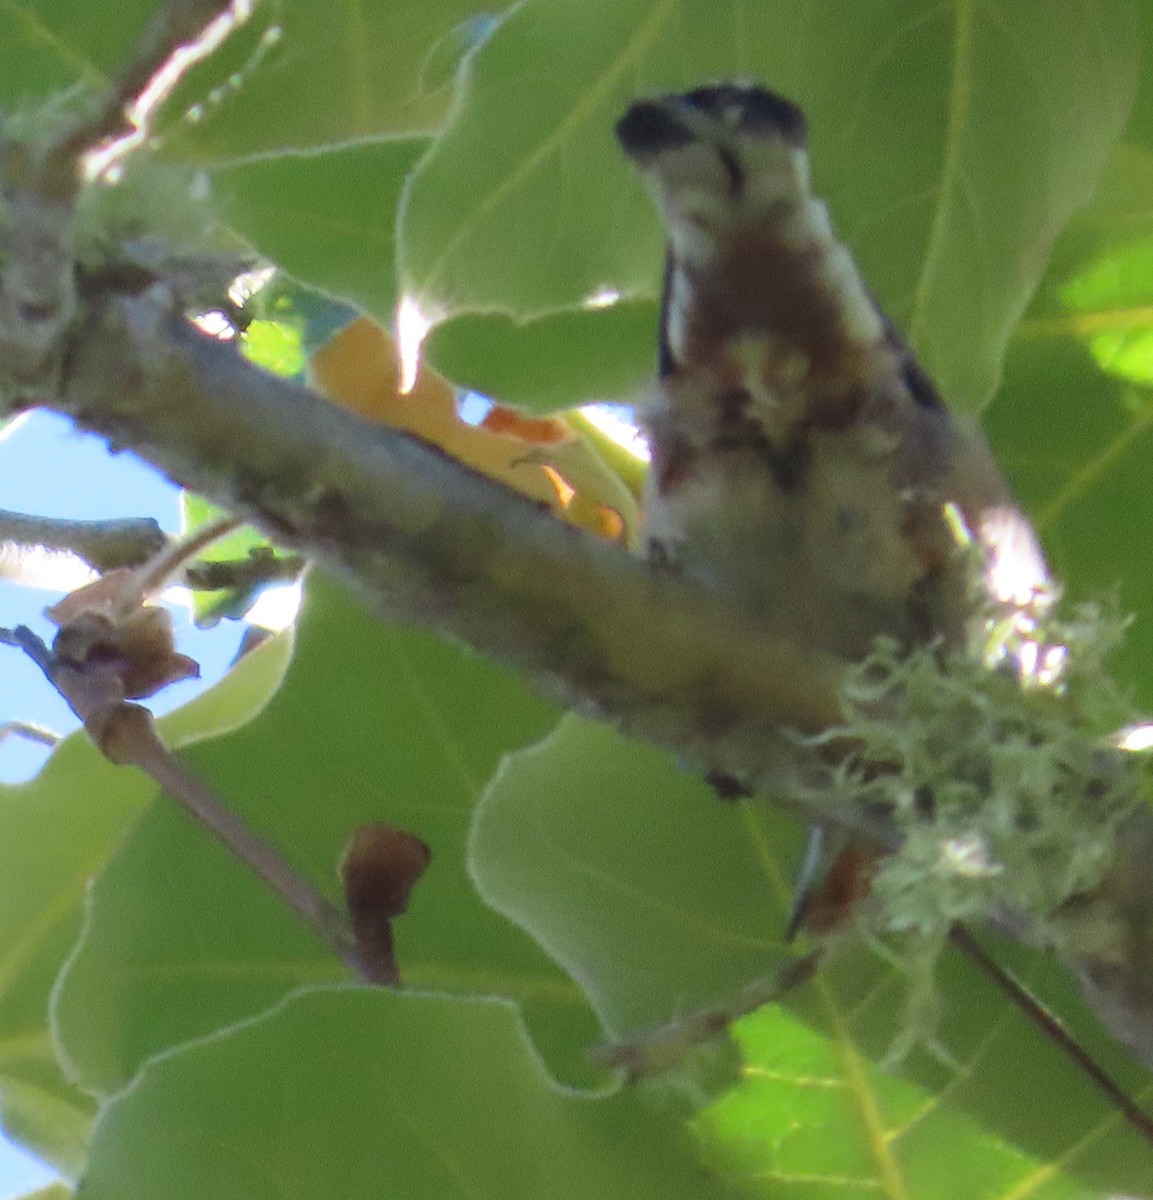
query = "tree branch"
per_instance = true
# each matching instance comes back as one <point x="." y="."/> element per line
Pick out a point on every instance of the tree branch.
<point x="431" y="542"/>
<point x="103" y="545"/>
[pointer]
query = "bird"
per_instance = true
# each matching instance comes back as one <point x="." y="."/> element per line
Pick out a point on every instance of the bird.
<point x="803" y="463"/>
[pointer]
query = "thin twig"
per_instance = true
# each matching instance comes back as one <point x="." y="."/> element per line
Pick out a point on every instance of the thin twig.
<point x="103" y="545"/>
<point x="1052" y="1026"/>
<point x="329" y="923"/>
<point x="650" y="1053"/>
<point x="30" y="732"/>
<point x="257" y="570"/>
<point x="32" y="644"/>
<point x="126" y="734"/>
<point x="158" y="572"/>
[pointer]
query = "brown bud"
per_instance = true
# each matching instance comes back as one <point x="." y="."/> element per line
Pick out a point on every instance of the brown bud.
<point x="380" y="867"/>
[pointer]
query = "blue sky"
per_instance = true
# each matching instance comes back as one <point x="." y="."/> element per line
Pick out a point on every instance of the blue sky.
<point x="48" y="469"/>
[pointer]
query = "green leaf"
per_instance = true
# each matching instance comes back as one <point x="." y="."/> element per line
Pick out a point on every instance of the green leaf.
<point x="276" y="346"/>
<point x="245" y="543"/>
<point x="373" y="723"/>
<point x="1030" y="1114"/>
<point x="328" y="218"/>
<point x="50" y="45"/>
<point x="1140" y="130"/>
<point x="953" y="143"/>
<point x="631" y="873"/>
<point x="53" y="1191"/>
<point x="363" y="1093"/>
<point x="1100" y="291"/>
<point x="661" y="901"/>
<point x="304" y="75"/>
<point x="1121" y="214"/>
<point x="1078" y="448"/>
<point x="56" y="832"/>
<point x="813" y="1117"/>
<point x="1096" y="284"/>
<point x="553" y="362"/>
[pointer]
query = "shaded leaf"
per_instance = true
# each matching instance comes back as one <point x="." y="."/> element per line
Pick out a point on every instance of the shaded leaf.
<point x="551" y="362"/>
<point x="327" y="218"/>
<point x="1078" y="448"/>
<point x="1140" y="130"/>
<point x="438" y="1098"/>
<point x="309" y="75"/>
<point x="630" y="872"/>
<point x="659" y="899"/>
<point x="53" y="44"/>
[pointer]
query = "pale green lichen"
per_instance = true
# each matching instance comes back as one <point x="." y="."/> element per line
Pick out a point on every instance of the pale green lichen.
<point x="998" y="772"/>
<point x="1005" y="793"/>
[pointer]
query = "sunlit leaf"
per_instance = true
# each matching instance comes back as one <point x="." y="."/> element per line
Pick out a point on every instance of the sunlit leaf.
<point x="275" y="346"/>
<point x="53" y="1191"/>
<point x="359" y="369"/>
<point x="814" y="1116"/>
<point x="1108" y="305"/>
<point x="242" y="546"/>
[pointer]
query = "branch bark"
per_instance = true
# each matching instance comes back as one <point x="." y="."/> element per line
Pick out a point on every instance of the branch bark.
<point x="430" y="542"/>
<point x="103" y="545"/>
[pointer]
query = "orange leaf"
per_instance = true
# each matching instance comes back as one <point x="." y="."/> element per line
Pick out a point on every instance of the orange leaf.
<point x="542" y="458"/>
<point x="358" y="370"/>
<point x="538" y="431"/>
